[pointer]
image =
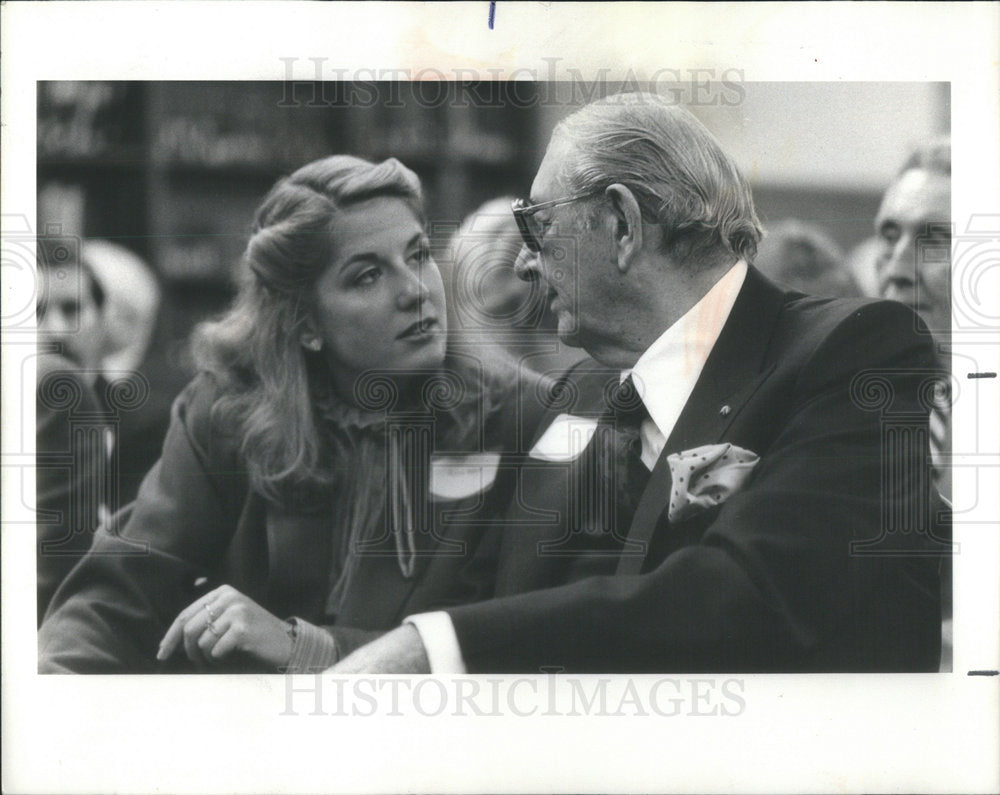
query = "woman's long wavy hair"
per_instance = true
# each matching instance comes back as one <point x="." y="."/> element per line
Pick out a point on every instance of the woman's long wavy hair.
<point x="254" y="351"/>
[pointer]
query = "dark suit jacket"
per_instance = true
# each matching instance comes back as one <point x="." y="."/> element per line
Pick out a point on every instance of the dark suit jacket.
<point x="70" y="471"/>
<point x="195" y="517"/>
<point x="823" y="561"/>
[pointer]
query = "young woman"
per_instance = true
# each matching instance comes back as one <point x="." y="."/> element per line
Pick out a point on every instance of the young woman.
<point x="328" y="473"/>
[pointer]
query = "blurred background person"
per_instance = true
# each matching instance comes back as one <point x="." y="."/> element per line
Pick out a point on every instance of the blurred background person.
<point x="914" y="266"/>
<point x="132" y="298"/>
<point x="862" y="262"/>
<point x="132" y="301"/>
<point x="72" y="440"/>
<point x="71" y="307"/>
<point x="804" y="257"/>
<point x="492" y="311"/>
<point x="914" y="226"/>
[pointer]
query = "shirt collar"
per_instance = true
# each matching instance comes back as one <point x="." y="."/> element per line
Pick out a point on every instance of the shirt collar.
<point x="666" y="373"/>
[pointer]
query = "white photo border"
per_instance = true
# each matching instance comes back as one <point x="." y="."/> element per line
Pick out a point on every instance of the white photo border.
<point x="930" y="733"/>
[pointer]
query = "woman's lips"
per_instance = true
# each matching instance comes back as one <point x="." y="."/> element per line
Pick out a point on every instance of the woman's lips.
<point x="418" y="329"/>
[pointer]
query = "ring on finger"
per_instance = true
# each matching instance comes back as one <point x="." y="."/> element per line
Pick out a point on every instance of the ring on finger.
<point x="213" y="630"/>
<point x="211" y="615"/>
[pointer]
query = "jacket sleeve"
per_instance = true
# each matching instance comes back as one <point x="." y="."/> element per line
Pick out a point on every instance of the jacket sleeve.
<point x="114" y="607"/>
<point x="771" y="583"/>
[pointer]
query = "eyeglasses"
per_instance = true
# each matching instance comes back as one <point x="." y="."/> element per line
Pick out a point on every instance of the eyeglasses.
<point x="523" y="214"/>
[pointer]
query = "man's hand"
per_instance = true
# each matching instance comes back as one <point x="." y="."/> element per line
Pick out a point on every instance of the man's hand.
<point x="398" y="652"/>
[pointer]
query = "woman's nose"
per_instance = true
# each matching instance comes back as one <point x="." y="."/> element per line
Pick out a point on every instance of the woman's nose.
<point x="412" y="290"/>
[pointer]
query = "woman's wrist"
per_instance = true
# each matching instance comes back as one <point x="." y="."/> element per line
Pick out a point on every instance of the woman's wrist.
<point x="292" y="630"/>
<point x="313" y="648"/>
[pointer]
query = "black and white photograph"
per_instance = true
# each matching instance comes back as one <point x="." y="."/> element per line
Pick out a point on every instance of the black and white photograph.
<point x="382" y="396"/>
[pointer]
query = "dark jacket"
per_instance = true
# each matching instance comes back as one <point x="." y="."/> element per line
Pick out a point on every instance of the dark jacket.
<point x="825" y="560"/>
<point x="197" y="524"/>
<point x="71" y="472"/>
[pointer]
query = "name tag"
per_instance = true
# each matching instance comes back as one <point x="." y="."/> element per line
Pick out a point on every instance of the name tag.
<point x="454" y="477"/>
<point x="565" y="439"/>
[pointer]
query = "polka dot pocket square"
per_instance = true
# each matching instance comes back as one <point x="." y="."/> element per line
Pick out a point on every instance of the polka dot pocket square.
<point x="706" y="476"/>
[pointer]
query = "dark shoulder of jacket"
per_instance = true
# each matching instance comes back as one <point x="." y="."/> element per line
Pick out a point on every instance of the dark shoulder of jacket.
<point x="582" y="387"/>
<point x="579" y="389"/>
<point x="194" y="410"/>
<point x="832" y="338"/>
<point x="516" y="400"/>
<point x="60" y="387"/>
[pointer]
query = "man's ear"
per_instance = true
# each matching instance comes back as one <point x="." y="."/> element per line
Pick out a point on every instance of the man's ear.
<point x="628" y="224"/>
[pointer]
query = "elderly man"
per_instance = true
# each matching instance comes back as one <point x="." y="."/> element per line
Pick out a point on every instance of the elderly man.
<point x="744" y="513"/>
<point x="914" y="263"/>
<point x="914" y="267"/>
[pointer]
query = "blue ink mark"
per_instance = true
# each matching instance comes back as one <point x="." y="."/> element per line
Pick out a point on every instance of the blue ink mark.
<point x="493" y="13"/>
<point x="984" y="673"/>
<point x="982" y="375"/>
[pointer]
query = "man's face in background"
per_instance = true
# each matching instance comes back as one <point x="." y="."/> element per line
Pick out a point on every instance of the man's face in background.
<point x="68" y="314"/>
<point x="914" y="264"/>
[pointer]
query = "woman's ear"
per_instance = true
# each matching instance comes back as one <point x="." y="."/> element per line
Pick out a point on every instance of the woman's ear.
<point x="628" y="224"/>
<point x="309" y="338"/>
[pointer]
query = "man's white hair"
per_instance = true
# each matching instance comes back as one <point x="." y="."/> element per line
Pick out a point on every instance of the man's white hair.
<point x="678" y="172"/>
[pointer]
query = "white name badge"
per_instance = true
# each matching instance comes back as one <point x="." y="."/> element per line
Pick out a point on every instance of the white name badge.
<point x="454" y="477"/>
<point x="565" y="439"/>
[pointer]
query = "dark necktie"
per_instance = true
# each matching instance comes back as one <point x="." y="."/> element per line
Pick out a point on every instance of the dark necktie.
<point x="625" y="413"/>
<point x="608" y="483"/>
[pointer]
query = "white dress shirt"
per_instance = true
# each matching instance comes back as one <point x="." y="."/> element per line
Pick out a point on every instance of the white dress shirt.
<point x="665" y="376"/>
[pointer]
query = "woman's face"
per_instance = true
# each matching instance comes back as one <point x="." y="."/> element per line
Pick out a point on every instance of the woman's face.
<point x="380" y="303"/>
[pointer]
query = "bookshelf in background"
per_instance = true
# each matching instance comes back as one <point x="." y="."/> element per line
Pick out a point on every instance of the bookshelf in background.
<point x="174" y="170"/>
<point x="92" y="160"/>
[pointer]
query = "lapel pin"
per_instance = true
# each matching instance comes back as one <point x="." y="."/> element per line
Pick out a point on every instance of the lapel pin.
<point x="724" y="411"/>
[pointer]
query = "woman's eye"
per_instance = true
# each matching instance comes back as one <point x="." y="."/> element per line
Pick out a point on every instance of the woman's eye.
<point x="369" y="276"/>
<point x="420" y="255"/>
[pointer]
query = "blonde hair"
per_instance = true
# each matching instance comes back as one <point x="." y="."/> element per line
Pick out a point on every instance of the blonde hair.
<point x="254" y="351"/>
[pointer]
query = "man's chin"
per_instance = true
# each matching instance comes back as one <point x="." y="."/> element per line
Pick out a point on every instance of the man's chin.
<point x="569" y="332"/>
<point x="938" y="323"/>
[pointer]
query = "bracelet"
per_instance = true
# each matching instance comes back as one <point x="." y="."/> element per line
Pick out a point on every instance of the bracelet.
<point x="292" y="628"/>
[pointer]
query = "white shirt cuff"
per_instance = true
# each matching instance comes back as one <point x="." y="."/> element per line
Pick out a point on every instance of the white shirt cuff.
<point x="440" y="641"/>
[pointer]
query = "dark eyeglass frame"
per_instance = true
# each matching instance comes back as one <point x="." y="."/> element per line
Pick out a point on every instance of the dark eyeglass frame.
<point x="522" y="211"/>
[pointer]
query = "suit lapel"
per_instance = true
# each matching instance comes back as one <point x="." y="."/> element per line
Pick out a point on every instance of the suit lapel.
<point x="733" y="372"/>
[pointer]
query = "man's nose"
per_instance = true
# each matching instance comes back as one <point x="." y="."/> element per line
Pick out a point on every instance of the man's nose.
<point x="54" y="322"/>
<point x="899" y="266"/>
<point x="526" y="265"/>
